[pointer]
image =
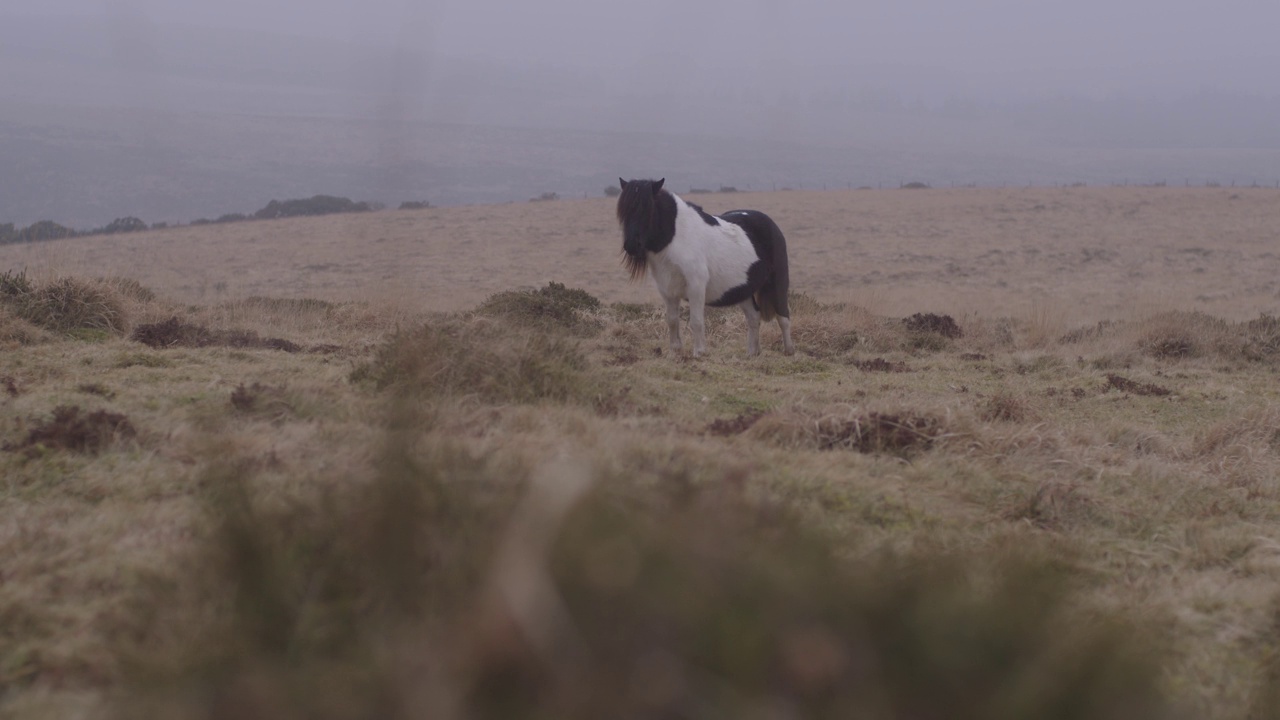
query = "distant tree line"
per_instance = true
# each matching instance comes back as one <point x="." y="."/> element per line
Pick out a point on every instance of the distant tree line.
<point x="50" y="230"/>
<point x="315" y="205"/>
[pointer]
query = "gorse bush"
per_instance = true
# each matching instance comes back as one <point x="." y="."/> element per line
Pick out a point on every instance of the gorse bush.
<point x="429" y="591"/>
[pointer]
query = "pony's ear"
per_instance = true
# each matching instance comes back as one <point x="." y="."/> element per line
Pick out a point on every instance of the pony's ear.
<point x="622" y="184"/>
<point x="658" y="186"/>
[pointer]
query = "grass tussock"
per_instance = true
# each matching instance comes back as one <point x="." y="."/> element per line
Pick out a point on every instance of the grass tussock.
<point x="493" y="361"/>
<point x="434" y="591"/>
<point x="1257" y="427"/>
<point x="1178" y="335"/>
<point x="1260" y="340"/>
<point x="552" y="307"/>
<point x="1005" y="406"/>
<point x="1175" y="336"/>
<point x="66" y="306"/>
<point x="130" y="288"/>
<point x="16" y="331"/>
<point x="1056" y="505"/>
<point x="836" y="330"/>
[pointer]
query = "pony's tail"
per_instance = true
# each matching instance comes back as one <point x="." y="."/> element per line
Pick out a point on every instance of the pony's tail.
<point x="771" y="300"/>
<point x="764" y="302"/>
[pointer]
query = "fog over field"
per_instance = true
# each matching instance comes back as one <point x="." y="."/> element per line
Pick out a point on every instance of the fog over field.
<point x="175" y="110"/>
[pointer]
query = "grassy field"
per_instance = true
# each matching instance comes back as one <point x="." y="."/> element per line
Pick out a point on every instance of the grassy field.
<point x="440" y="463"/>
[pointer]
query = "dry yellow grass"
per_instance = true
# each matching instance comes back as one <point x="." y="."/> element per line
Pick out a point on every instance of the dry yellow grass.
<point x="1077" y="421"/>
<point x="1061" y="255"/>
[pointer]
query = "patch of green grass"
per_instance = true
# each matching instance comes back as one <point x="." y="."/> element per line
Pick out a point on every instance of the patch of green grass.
<point x="635" y="312"/>
<point x="737" y="404"/>
<point x="797" y="365"/>
<point x="141" y="359"/>
<point x="288" y="306"/>
<point x="89" y="335"/>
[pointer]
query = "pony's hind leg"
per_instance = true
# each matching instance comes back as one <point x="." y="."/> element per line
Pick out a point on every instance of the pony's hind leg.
<point x="673" y="323"/>
<point x="753" y="327"/>
<point x="788" y="347"/>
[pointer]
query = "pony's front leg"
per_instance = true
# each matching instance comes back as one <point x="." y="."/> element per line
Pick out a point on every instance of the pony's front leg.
<point x="697" y="317"/>
<point x="673" y="323"/>
<point x="753" y="328"/>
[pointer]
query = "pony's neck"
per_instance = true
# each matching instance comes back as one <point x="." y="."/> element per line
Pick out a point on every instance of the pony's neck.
<point x="662" y="223"/>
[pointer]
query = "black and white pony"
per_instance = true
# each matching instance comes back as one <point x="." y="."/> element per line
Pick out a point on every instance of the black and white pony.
<point x="738" y="258"/>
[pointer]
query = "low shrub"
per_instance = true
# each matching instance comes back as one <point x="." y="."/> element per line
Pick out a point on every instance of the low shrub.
<point x="432" y="592"/>
<point x="497" y="362"/>
<point x="552" y="307"/>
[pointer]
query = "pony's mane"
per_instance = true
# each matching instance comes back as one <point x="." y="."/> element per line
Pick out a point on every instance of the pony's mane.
<point x="648" y="216"/>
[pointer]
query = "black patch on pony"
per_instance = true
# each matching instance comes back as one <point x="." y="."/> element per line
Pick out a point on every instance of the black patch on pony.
<point x="768" y="279"/>
<point x="647" y="214"/>
<point x="707" y="217"/>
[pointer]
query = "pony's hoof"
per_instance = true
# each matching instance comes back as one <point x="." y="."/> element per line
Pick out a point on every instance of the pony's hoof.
<point x="789" y="351"/>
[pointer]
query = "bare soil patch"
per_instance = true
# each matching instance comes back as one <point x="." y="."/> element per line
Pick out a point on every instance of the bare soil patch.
<point x="175" y="333"/>
<point x="944" y="325"/>
<point x="876" y="432"/>
<point x="72" y="429"/>
<point x="1134" y="387"/>
<point x="724" y="427"/>
<point x="879" y="364"/>
<point x="257" y="398"/>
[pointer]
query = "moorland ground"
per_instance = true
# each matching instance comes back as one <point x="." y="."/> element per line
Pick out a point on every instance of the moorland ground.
<point x="1027" y="457"/>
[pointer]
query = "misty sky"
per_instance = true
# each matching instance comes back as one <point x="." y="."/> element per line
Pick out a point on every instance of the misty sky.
<point x="189" y="108"/>
<point x="938" y="48"/>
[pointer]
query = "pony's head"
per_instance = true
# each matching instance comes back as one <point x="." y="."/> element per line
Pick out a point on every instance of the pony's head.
<point x="648" y="219"/>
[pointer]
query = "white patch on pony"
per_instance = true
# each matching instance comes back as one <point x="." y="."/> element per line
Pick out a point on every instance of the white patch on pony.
<point x="702" y="263"/>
